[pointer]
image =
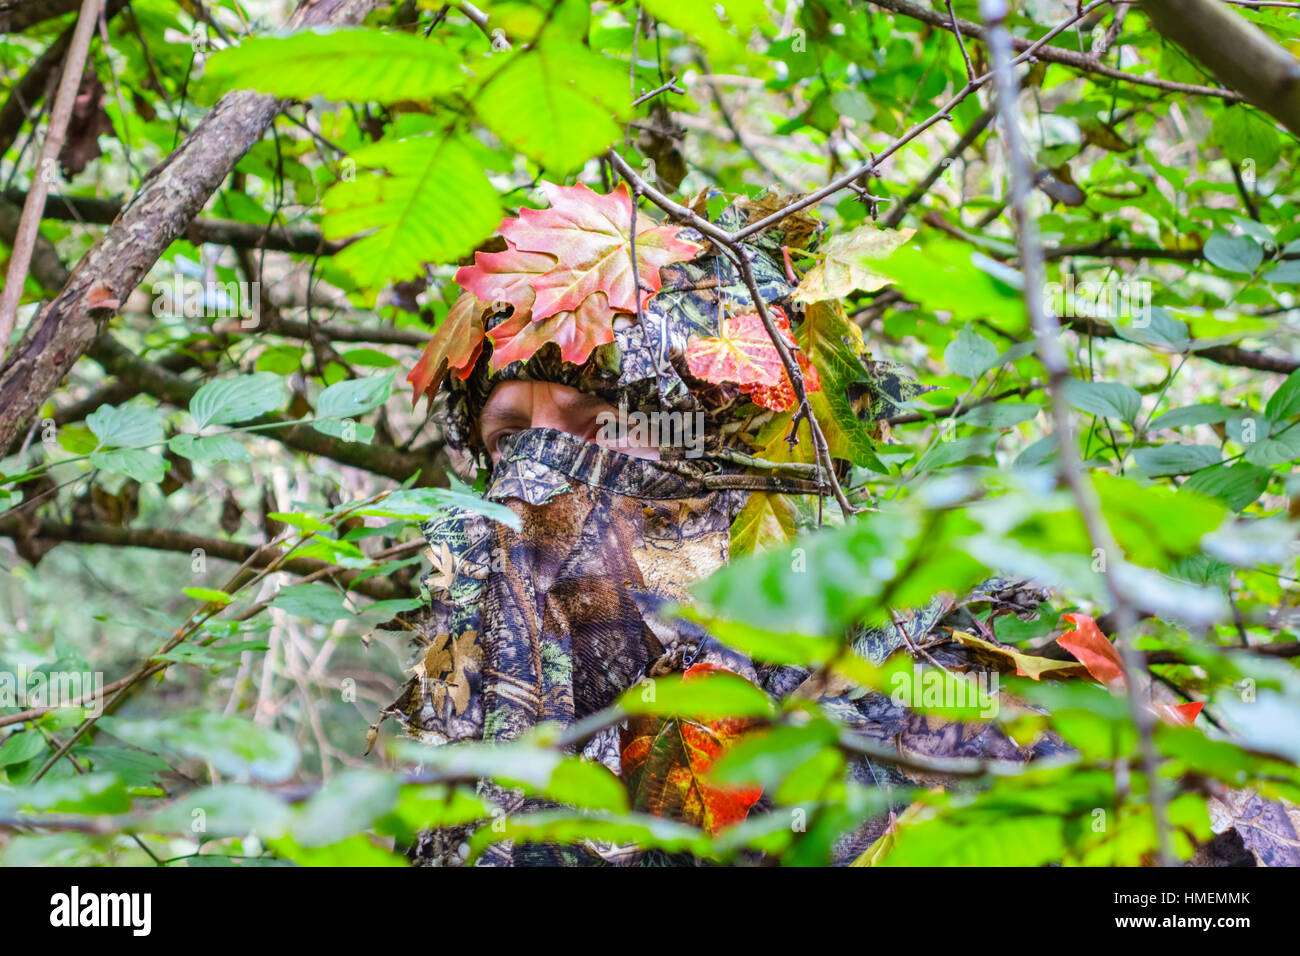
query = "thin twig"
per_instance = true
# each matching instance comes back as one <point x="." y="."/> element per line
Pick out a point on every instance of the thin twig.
<point x="1054" y="359"/>
<point x="25" y="241"/>
<point x="961" y="43"/>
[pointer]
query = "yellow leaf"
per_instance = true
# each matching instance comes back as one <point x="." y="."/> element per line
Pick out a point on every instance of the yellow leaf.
<point x="845" y="265"/>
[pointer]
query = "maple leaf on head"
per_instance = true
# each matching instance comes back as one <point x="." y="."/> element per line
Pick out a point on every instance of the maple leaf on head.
<point x="505" y="278"/>
<point x="457" y="344"/>
<point x="576" y="332"/>
<point x="744" y="354"/>
<point x="590" y="235"/>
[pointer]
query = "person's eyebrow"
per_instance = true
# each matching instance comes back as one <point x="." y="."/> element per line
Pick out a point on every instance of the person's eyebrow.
<point x="502" y="415"/>
<point x="581" y="401"/>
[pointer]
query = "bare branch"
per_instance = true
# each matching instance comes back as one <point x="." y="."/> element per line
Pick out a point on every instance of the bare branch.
<point x="21" y="256"/>
<point x="161" y="539"/>
<point x="172" y="194"/>
<point x="1236" y="51"/>
<point x="1053" y="356"/>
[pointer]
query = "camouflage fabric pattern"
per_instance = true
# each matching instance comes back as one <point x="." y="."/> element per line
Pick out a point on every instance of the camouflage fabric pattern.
<point x="553" y="621"/>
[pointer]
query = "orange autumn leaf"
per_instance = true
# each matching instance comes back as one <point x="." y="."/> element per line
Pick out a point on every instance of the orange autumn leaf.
<point x="576" y="333"/>
<point x="591" y="236"/>
<point x="566" y="272"/>
<point x="743" y="354"/>
<point x="1184" y="715"/>
<point x="1093" y="649"/>
<point x="505" y="278"/>
<point x="665" y="763"/>
<point x="1100" y="657"/>
<point x="457" y="345"/>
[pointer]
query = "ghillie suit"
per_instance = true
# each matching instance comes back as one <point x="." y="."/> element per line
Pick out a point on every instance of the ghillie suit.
<point x="552" y="622"/>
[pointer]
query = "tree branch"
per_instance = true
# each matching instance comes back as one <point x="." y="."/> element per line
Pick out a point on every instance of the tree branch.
<point x="393" y="463"/>
<point x="1070" y="470"/>
<point x="1236" y="51"/>
<point x="161" y="539"/>
<point x="223" y="232"/>
<point x="17" y="15"/>
<point x="1054" y="54"/>
<point x="172" y="194"/>
<point x="20" y="258"/>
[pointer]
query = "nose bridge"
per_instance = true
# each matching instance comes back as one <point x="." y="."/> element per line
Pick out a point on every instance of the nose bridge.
<point x="546" y="411"/>
<point x="548" y="416"/>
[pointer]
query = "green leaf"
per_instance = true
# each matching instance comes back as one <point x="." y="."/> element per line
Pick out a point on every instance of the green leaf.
<point x="88" y="793"/>
<point x="1158" y="328"/>
<point x="227" y="810"/>
<point x="557" y="104"/>
<point x="819" y="585"/>
<point x="355" y="64"/>
<point x="1000" y="414"/>
<point x="209" y="448"/>
<point x="1233" y="253"/>
<point x="432" y="203"/>
<point x="21" y="747"/>
<point x="714" y="695"/>
<point x="944" y="276"/>
<point x="209" y="595"/>
<point x="304" y="522"/>
<point x="354" y="396"/>
<point x="143" y="466"/>
<point x="346" y="429"/>
<point x="1105" y="399"/>
<point x="1205" y="414"/>
<point x="281" y="359"/>
<point x="1275" y="450"/>
<point x="225" y="401"/>
<point x="130" y="426"/>
<point x="1287" y="272"/>
<point x="1175" y="459"/>
<point x="233" y="745"/>
<point x="768" y="758"/>
<point x="1285" y="402"/>
<point x="135" y="767"/>
<point x="1238" y="484"/>
<point x="970" y="354"/>
<point x="318" y="602"/>
<point x="77" y="439"/>
<point x="420" y="504"/>
<point x="699" y="22"/>
<point x="956" y="450"/>
<point x="347" y="804"/>
<point x="1244" y="135"/>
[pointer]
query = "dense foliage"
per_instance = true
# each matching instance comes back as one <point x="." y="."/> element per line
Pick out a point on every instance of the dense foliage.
<point x="221" y="502"/>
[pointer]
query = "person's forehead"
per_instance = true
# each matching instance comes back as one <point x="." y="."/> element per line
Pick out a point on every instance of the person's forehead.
<point x="509" y="396"/>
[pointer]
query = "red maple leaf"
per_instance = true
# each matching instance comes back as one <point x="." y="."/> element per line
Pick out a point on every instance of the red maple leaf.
<point x="590" y="235"/>
<point x="566" y="272"/>
<point x="576" y="332"/>
<point x="1093" y="649"/>
<point x="457" y="344"/>
<point x="743" y="354"/>
<point x="505" y="278"/>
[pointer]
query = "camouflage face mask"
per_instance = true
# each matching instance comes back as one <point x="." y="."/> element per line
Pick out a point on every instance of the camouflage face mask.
<point x="553" y="621"/>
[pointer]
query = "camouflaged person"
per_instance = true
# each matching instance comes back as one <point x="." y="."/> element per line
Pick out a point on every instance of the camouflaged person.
<point x="553" y="621"/>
